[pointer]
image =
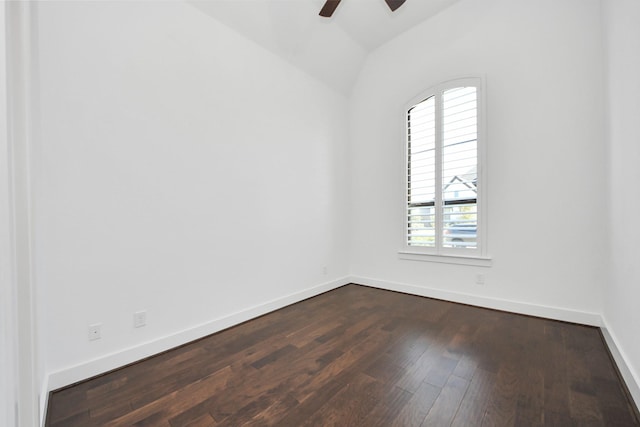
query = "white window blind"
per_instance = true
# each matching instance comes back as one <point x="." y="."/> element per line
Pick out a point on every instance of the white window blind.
<point x="442" y="170"/>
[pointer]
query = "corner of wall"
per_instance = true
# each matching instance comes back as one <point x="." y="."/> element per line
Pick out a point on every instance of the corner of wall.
<point x="626" y="370"/>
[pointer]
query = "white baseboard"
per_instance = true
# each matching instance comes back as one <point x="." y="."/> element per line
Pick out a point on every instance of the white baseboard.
<point x="631" y="378"/>
<point x="106" y="363"/>
<point x="43" y="400"/>
<point x="547" y="312"/>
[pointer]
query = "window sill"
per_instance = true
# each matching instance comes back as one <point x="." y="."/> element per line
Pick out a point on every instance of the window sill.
<point x="477" y="261"/>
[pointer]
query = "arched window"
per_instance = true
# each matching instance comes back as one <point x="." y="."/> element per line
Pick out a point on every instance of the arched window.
<point x="444" y="147"/>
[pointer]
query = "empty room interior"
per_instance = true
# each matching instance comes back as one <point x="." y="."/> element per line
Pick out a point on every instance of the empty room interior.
<point x="232" y="212"/>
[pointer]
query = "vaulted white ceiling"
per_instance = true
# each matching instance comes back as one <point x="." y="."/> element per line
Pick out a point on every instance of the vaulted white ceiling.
<point x="330" y="49"/>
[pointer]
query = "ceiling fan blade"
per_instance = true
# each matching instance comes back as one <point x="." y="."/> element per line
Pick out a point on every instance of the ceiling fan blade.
<point x="329" y="7"/>
<point x="394" y="4"/>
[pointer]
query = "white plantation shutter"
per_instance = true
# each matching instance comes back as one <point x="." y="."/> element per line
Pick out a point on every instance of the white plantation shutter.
<point x="421" y="137"/>
<point x="459" y="167"/>
<point x="442" y="170"/>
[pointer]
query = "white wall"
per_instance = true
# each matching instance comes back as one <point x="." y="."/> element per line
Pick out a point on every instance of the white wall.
<point x="622" y="293"/>
<point x="184" y="170"/>
<point x="546" y="175"/>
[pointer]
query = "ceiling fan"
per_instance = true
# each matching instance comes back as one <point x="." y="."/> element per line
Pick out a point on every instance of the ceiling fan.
<point x="331" y="5"/>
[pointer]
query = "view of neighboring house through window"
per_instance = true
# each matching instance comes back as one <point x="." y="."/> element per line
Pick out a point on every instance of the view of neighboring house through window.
<point x="442" y="170"/>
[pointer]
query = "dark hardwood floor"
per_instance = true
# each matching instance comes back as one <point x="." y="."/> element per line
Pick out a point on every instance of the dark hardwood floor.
<point x="359" y="356"/>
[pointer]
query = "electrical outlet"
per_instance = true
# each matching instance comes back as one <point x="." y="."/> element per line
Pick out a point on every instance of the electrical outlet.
<point x="139" y="319"/>
<point x="95" y="332"/>
<point x="479" y="279"/>
<point x="325" y="270"/>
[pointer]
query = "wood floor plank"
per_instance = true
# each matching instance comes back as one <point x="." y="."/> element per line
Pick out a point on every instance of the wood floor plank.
<point x="312" y="404"/>
<point x="262" y="410"/>
<point x="446" y="406"/>
<point x="384" y="414"/>
<point x="417" y="408"/>
<point x="466" y="368"/>
<point x="351" y="405"/>
<point x="359" y="356"/>
<point x="502" y="405"/>
<point x="205" y="420"/>
<point x="441" y="370"/>
<point x="196" y="414"/>
<point x="530" y="405"/>
<point x="177" y="401"/>
<point x="616" y="409"/>
<point x="556" y="394"/>
<point x="275" y="411"/>
<point x="418" y="371"/>
<point x="474" y="403"/>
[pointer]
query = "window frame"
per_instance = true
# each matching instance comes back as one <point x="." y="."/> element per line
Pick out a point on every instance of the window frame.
<point x="439" y="253"/>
